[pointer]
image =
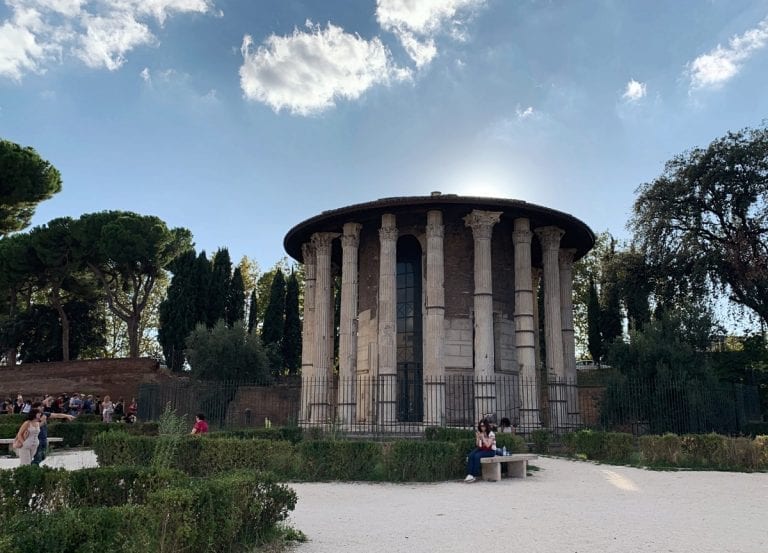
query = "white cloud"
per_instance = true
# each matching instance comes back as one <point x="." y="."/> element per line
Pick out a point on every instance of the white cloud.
<point x="145" y="74"/>
<point x="524" y="113"/>
<point x="306" y="72"/>
<point x="417" y="22"/>
<point x="99" y="32"/>
<point x="634" y="91"/>
<point x="721" y="64"/>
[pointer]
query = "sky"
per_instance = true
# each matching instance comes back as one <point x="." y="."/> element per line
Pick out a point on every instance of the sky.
<point x="238" y="119"/>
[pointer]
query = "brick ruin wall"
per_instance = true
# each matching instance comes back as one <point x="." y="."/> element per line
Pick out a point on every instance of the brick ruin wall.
<point x="116" y="377"/>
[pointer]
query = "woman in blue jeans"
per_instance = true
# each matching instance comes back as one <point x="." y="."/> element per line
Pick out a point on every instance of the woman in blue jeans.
<point x="485" y="440"/>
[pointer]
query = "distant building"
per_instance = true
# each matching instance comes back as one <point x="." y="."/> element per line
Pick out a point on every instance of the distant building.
<point x="434" y="288"/>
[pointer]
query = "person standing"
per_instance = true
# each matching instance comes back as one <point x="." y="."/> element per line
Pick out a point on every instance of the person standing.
<point x="47" y="409"/>
<point x="26" y="441"/>
<point x="107" y="409"/>
<point x="485" y="440"/>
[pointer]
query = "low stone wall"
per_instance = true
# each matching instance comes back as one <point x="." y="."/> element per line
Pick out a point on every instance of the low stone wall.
<point x="120" y="378"/>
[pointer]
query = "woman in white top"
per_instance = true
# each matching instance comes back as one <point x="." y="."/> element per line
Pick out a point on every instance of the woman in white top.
<point x="26" y="441"/>
<point x="107" y="408"/>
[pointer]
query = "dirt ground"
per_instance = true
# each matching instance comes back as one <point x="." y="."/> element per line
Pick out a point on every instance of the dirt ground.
<point x="565" y="507"/>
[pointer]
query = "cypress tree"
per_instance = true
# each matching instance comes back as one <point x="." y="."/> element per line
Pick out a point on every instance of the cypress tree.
<point x="201" y="284"/>
<point x="292" y="329"/>
<point x="221" y="275"/>
<point x="594" y="340"/>
<point x="253" y="312"/>
<point x="610" y="317"/>
<point x="235" y="308"/>
<point x="274" y="315"/>
<point x="178" y="310"/>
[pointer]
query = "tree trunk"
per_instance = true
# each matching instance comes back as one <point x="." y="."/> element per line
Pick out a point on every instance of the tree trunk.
<point x="133" y="337"/>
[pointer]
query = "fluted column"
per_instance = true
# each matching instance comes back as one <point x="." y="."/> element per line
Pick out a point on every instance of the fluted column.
<point x="550" y="245"/>
<point x="308" y="379"/>
<point x="350" y="241"/>
<point x="569" y="345"/>
<point x="434" y="354"/>
<point x="387" y="375"/>
<point x="525" y="331"/>
<point x="482" y="223"/>
<point x="323" y="312"/>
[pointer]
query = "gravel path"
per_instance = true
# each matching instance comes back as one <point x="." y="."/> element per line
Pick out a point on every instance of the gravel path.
<point x="567" y="506"/>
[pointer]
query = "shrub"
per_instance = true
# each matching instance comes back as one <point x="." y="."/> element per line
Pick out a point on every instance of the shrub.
<point x="616" y="447"/>
<point x="541" y="439"/>
<point x="339" y="460"/>
<point x="423" y="461"/>
<point x="663" y="450"/>
<point x="703" y="450"/>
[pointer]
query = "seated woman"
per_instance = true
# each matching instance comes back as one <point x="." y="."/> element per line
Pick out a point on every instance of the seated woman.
<point x="485" y="440"/>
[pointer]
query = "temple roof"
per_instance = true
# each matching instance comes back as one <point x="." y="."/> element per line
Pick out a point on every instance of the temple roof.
<point x="577" y="234"/>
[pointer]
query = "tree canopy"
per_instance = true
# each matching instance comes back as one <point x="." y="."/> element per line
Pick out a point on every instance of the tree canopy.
<point x="704" y="221"/>
<point x="25" y="180"/>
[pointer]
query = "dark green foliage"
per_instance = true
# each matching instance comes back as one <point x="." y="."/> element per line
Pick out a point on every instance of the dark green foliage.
<point x="594" y="336"/>
<point x="253" y="312"/>
<point x="614" y="447"/>
<point x="126" y="252"/>
<point x="423" y="461"/>
<point x="756" y="429"/>
<point x="80" y="434"/>
<point x="165" y="511"/>
<point x="704" y="221"/>
<point x="201" y="283"/>
<point x="274" y="315"/>
<point x="38" y="331"/>
<point x="610" y="307"/>
<point x="541" y="439"/>
<point x="178" y="312"/>
<point x="25" y="180"/>
<point x="235" y="308"/>
<point x="705" y="451"/>
<point x="218" y="288"/>
<point x="340" y="460"/>
<point x="291" y="346"/>
<point x="226" y="353"/>
<point x="293" y="434"/>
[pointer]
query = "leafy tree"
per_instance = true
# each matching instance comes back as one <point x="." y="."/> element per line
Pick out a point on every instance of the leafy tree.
<point x="226" y="353"/>
<point x="16" y="289"/>
<point x="38" y="332"/>
<point x="218" y="289"/>
<point x="292" y="329"/>
<point x="595" y="339"/>
<point x="610" y="305"/>
<point x="25" y="180"/>
<point x="705" y="220"/>
<point x="635" y="285"/>
<point x="586" y="271"/>
<point x="200" y="285"/>
<point x="127" y="253"/>
<point x="235" y="308"/>
<point x="56" y="264"/>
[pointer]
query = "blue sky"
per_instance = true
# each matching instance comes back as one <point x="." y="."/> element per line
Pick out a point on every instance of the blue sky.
<point x="240" y="118"/>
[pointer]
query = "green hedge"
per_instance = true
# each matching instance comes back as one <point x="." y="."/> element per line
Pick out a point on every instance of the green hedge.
<point x="705" y="451"/>
<point x="293" y="434"/>
<point x="465" y="439"/>
<point x="169" y="512"/>
<point x="756" y="429"/>
<point x="77" y="434"/>
<point x="612" y="447"/>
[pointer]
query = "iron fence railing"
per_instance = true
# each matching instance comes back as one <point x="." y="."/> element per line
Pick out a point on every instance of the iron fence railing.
<point x="406" y="404"/>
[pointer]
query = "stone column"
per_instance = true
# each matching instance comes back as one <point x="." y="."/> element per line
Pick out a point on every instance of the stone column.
<point x="549" y="237"/>
<point x="322" y="242"/>
<point x="525" y="330"/>
<point x="434" y="354"/>
<point x="387" y="369"/>
<point x="569" y="344"/>
<point x="350" y="241"/>
<point x="482" y="223"/>
<point x="308" y="379"/>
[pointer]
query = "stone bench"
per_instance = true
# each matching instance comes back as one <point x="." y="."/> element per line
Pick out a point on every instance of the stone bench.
<point x="517" y="463"/>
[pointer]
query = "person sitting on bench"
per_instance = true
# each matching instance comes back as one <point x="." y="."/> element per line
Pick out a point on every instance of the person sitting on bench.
<point x="485" y="440"/>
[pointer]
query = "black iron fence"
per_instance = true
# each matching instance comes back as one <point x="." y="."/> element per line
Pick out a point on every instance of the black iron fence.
<point x="406" y="404"/>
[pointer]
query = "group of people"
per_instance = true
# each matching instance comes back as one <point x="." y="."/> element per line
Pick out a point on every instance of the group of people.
<point x="31" y="441"/>
<point x="485" y="442"/>
<point x="77" y="404"/>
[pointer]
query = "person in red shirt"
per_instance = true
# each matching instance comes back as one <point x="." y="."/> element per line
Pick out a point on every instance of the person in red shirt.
<point x="201" y="427"/>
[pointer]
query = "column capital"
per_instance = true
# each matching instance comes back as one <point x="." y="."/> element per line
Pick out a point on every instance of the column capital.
<point x="388" y="230"/>
<point x="482" y="222"/>
<point x="550" y="236"/>
<point x="322" y="241"/>
<point x="308" y="253"/>
<point x="351" y="236"/>
<point x="565" y="256"/>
